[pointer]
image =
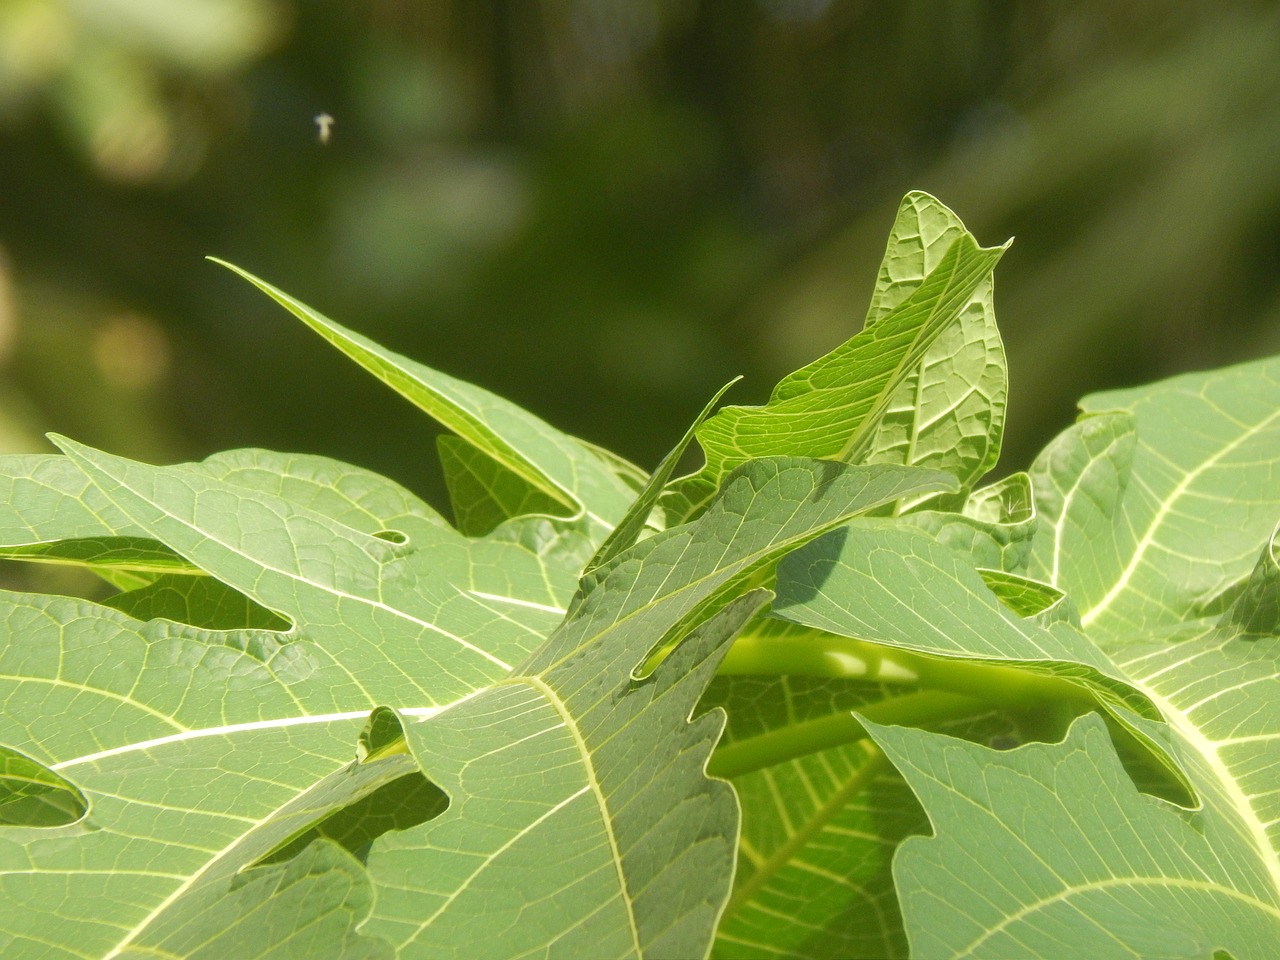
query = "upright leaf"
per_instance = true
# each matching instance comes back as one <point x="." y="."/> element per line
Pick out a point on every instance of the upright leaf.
<point x="632" y="525"/>
<point x="833" y="408"/>
<point x="949" y="412"/>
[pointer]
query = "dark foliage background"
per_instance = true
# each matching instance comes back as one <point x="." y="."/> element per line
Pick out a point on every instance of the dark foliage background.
<point x="604" y="209"/>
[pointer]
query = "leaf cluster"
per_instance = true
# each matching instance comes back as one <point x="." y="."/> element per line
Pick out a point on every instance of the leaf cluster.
<point x="826" y="696"/>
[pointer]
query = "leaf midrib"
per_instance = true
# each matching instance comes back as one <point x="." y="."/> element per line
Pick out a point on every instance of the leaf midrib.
<point x="597" y="793"/>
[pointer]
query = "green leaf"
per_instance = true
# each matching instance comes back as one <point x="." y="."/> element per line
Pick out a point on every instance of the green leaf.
<point x="563" y="468"/>
<point x="993" y="528"/>
<point x="179" y="740"/>
<point x="949" y="413"/>
<point x="308" y="907"/>
<point x="429" y="614"/>
<point x="56" y="514"/>
<point x="1049" y="851"/>
<point x="50" y="512"/>
<point x="834" y="407"/>
<point x="200" y="754"/>
<point x="1159" y="520"/>
<point x="1155" y="504"/>
<point x="44" y="498"/>
<point x="616" y="768"/>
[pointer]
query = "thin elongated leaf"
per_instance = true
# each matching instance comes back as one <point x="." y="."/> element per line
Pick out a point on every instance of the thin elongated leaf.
<point x="632" y="525"/>
<point x="1049" y="851"/>
<point x="562" y="467"/>
<point x="834" y="407"/>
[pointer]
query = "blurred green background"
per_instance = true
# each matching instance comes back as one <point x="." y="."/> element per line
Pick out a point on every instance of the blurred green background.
<point x="604" y="209"/>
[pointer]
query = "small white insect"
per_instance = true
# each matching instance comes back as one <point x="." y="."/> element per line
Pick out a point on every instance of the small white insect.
<point x="324" y="123"/>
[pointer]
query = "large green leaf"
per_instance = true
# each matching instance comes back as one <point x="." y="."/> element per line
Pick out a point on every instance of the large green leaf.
<point x="616" y="769"/>
<point x="819" y="830"/>
<point x="570" y="472"/>
<point x="836" y="407"/>
<point x="1156" y="503"/>
<point x="1157" y="518"/>
<point x="571" y="785"/>
<point x="180" y="740"/>
<point x="430" y="615"/>
<point x="1050" y="851"/>
<point x="1160" y="512"/>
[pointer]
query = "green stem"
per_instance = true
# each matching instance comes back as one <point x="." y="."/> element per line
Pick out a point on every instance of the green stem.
<point x="816" y="653"/>
<point x="875" y="765"/>
<point x="799" y="739"/>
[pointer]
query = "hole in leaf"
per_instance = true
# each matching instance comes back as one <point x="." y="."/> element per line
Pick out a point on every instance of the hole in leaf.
<point x="32" y="795"/>
<point x="199" y="601"/>
<point x="403" y="803"/>
<point x="392" y="536"/>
